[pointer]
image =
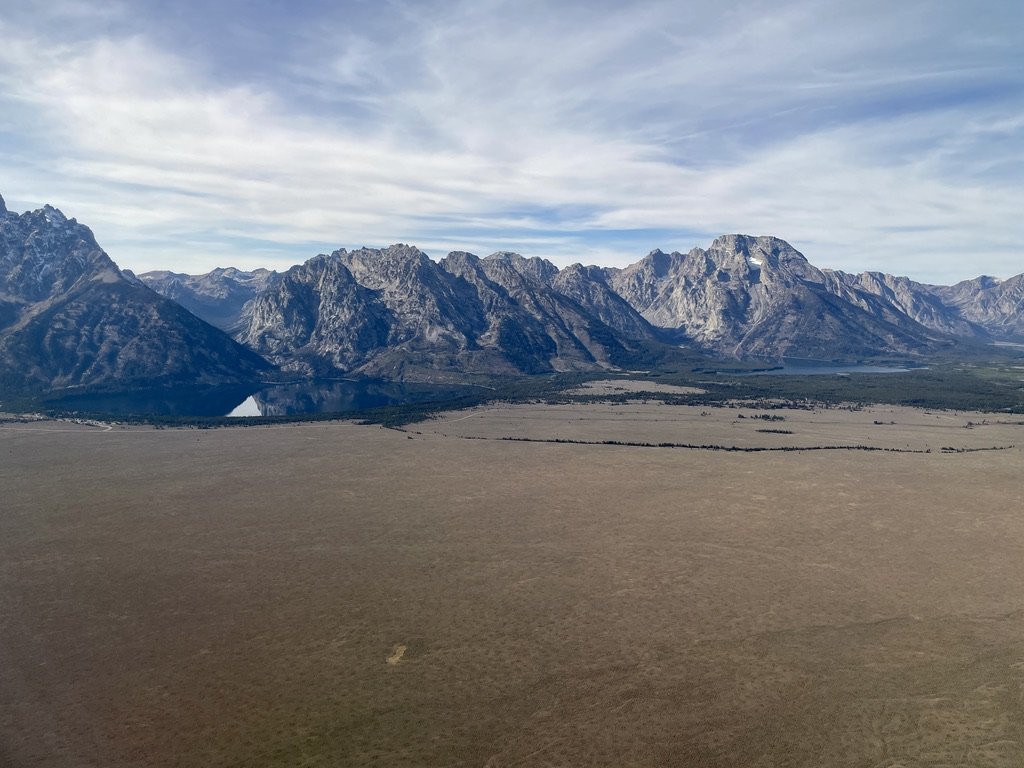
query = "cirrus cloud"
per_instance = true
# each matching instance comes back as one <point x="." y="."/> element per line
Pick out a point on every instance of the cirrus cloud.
<point x="870" y="137"/>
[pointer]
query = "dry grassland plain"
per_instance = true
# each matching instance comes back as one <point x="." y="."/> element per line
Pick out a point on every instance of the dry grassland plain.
<point x="333" y="594"/>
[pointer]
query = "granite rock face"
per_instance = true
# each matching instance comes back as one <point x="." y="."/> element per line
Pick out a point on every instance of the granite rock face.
<point x="759" y="297"/>
<point x="395" y="313"/>
<point x="874" y="290"/>
<point x="70" y="318"/>
<point x="995" y="305"/>
<point x="316" y="320"/>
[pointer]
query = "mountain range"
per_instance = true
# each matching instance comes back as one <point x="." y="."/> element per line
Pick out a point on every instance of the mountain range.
<point x="382" y="311"/>
<point x="69" y="317"/>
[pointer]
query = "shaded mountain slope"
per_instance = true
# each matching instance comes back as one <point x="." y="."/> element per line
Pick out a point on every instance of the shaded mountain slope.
<point x="394" y="312"/>
<point x="70" y="318"/>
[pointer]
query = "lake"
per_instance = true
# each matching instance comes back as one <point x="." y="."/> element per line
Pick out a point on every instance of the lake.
<point x="342" y="396"/>
<point x="308" y="397"/>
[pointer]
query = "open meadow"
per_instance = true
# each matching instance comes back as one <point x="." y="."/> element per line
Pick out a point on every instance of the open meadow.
<point x="517" y="585"/>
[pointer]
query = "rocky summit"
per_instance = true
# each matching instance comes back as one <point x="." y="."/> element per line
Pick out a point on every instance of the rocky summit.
<point x="759" y="297"/>
<point x="70" y="318"/>
<point x="395" y="313"/>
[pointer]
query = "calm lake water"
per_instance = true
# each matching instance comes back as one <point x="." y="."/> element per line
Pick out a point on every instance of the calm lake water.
<point x="278" y="400"/>
<point x="341" y="396"/>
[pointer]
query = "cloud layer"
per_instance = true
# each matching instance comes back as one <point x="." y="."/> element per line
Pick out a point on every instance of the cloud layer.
<point x="250" y="134"/>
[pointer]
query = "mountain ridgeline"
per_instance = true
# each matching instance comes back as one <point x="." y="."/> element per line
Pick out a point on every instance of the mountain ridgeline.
<point x="70" y="318"/>
<point x="394" y="312"/>
<point x="219" y="297"/>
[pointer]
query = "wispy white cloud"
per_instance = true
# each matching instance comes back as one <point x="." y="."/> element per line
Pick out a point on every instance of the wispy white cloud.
<point x="582" y="131"/>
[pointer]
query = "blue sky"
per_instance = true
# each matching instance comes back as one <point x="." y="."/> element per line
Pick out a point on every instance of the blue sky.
<point x="189" y="135"/>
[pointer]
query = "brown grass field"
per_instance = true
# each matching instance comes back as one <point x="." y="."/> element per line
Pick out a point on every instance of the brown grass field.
<point x="340" y="595"/>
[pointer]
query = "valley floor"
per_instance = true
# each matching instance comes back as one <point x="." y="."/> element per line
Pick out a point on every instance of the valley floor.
<point x="468" y="592"/>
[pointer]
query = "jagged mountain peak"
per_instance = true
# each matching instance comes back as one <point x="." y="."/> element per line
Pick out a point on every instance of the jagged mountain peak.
<point x="456" y="260"/>
<point x="752" y="296"/>
<point x="754" y="254"/>
<point x="658" y="263"/>
<point x="512" y="257"/>
<point x="997" y="305"/>
<point x="381" y="268"/>
<point x="393" y="252"/>
<point x="393" y="312"/>
<point x="54" y="215"/>
<point x="69" y="317"/>
<point x="531" y="268"/>
<point x="42" y="252"/>
<point x="578" y="270"/>
<point x="3" y="206"/>
<point x="981" y="282"/>
<point x="747" y="243"/>
<point x="235" y="273"/>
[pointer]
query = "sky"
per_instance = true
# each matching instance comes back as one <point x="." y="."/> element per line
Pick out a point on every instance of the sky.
<point x="190" y="135"/>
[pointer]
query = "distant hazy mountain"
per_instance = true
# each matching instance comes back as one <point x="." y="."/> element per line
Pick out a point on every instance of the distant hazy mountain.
<point x="220" y="297"/>
<point x="69" y="317"/>
<point x="995" y="305"/>
<point x="917" y="301"/>
<point x="395" y="313"/>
